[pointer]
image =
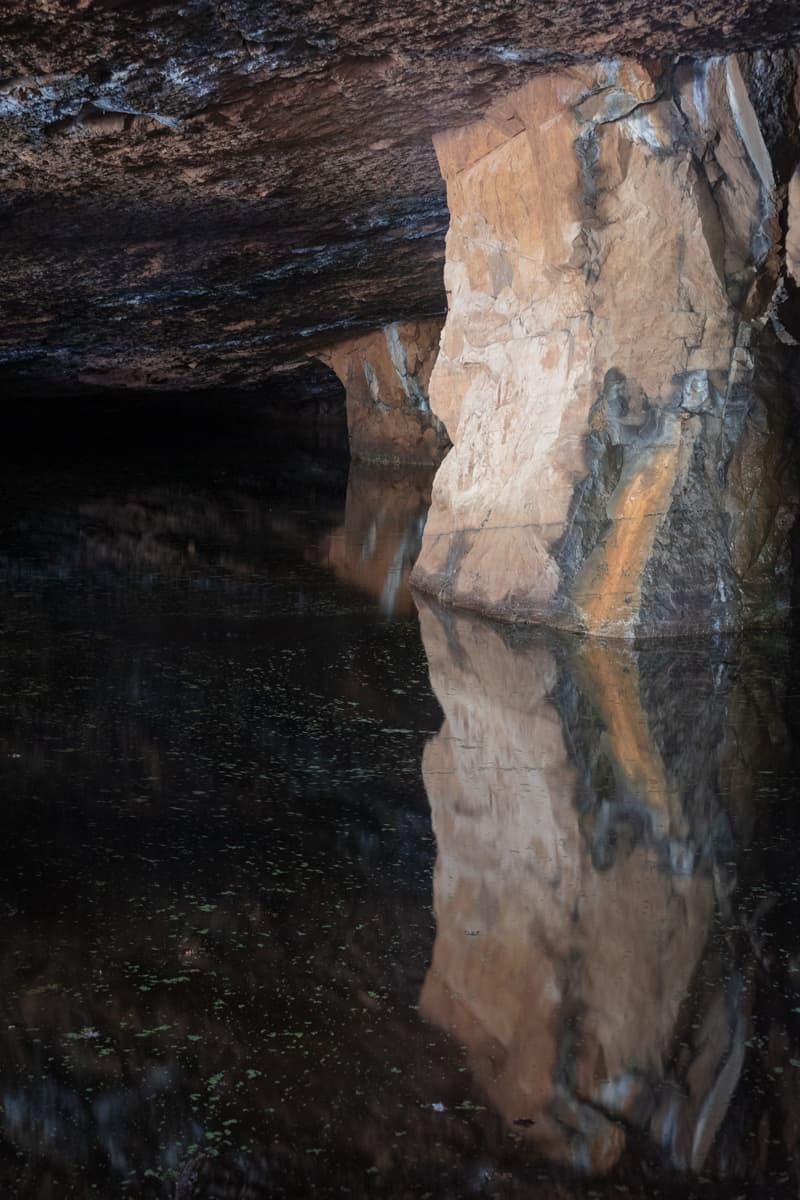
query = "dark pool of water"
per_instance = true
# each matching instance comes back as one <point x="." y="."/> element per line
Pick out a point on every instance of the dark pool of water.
<point x="306" y="893"/>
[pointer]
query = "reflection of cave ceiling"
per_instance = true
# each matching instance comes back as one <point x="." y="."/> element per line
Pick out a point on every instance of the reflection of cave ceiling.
<point x="195" y="194"/>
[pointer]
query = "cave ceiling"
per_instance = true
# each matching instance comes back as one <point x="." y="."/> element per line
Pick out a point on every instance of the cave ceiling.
<point x="196" y="195"/>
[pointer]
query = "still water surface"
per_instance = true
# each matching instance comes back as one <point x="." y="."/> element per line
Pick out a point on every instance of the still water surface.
<point x="307" y="893"/>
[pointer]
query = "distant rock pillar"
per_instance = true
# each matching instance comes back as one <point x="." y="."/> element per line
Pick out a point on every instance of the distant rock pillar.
<point x="386" y="373"/>
<point x="614" y="370"/>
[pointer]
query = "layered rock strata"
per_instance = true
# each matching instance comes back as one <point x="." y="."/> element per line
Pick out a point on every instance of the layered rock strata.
<point x="588" y="801"/>
<point x="614" y="364"/>
<point x="386" y="374"/>
<point x="195" y="194"/>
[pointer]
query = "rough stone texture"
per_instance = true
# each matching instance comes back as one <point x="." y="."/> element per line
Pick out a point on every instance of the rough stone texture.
<point x="793" y="228"/>
<point x="194" y="193"/>
<point x="614" y="361"/>
<point x="587" y="799"/>
<point x="386" y="374"/>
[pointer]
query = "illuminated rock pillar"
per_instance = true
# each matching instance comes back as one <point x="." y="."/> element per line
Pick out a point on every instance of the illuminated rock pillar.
<point x="615" y="363"/>
<point x="386" y="373"/>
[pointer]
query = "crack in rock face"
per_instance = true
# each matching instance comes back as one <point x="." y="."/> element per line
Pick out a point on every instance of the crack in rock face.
<point x="196" y="194"/>
<point x="616" y="364"/>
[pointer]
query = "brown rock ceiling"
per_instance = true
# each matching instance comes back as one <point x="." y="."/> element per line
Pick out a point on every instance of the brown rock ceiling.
<point x="195" y="195"/>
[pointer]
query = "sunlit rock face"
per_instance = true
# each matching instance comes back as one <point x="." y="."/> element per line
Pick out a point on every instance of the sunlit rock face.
<point x="614" y="363"/>
<point x="588" y="801"/>
<point x="386" y="375"/>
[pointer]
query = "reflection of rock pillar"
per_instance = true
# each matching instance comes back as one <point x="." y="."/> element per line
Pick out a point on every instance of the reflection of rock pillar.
<point x="563" y="980"/>
<point x="386" y="374"/>
<point x="611" y="361"/>
<point x="375" y="548"/>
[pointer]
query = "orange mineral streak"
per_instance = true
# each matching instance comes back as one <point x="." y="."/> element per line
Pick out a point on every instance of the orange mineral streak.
<point x="608" y="589"/>
<point x="610" y="676"/>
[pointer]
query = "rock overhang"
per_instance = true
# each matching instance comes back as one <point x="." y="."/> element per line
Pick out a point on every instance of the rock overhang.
<point x="195" y="195"/>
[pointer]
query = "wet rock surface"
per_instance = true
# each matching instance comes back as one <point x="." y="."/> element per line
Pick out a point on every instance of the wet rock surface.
<point x="618" y="360"/>
<point x="193" y="194"/>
